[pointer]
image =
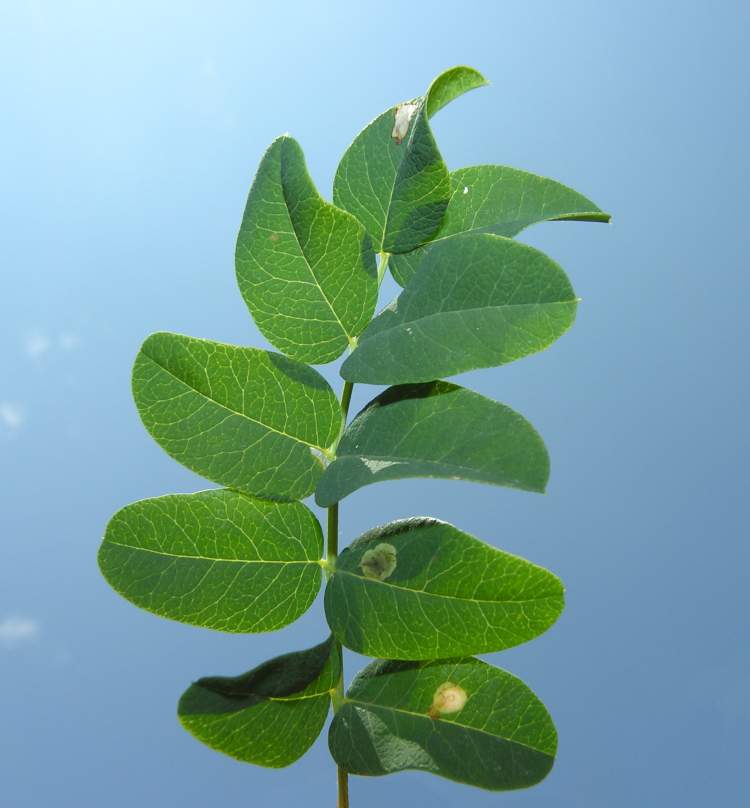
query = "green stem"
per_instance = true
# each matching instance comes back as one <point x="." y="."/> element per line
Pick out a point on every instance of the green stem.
<point x="382" y="266"/>
<point x="343" y="789"/>
<point x="332" y="551"/>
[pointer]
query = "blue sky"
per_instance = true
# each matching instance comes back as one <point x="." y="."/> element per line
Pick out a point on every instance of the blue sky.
<point x="131" y="132"/>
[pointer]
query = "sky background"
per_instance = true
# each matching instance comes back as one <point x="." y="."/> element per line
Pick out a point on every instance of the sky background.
<point x="130" y="135"/>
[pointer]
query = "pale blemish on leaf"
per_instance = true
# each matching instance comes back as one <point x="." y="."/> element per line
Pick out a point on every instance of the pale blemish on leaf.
<point x="466" y="189"/>
<point x="379" y="563"/>
<point x="378" y="465"/>
<point x="404" y="114"/>
<point x="448" y="698"/>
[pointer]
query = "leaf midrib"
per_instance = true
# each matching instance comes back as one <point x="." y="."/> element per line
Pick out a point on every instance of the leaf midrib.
<point x="318" y="284"/>
<point x="164" y="554"/>
<point x="480" y="601"/>
<point x="229" y="409"/>
<point x="370" y="705"/>
<point x="407" y="323"/>
<point x="404" y="460"/>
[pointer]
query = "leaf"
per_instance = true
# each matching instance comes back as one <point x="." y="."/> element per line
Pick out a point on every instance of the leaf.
<point x="422" y="589"/>
<point x="392" y="177"/>
<point x="305" y="268"/>
<point x="503" y="201"/>
<point x="244" y="418"/>
<point x="270" y="716"/>
<point x="450" y="85"/>
<point x="477" y="301"/>
<point x="435" y="430"/>
<point x="218" y="559"/>
<point x="461" y="719"/>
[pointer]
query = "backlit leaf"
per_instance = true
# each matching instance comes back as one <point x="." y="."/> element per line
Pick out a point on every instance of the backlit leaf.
<point x="218" y="559"/>
<point x="423" y="589"/>
<point x="451" y="84"/>
<point x="478" y="301"/>
<point x="392" y="177"/>
<point x="461" y="719"/>
<point x="270" y="716"/>
<point x="244" y="418"/>
<point x="500" y="200"/>
<point x="436" y="429"/>
<point x="305" y="268"/>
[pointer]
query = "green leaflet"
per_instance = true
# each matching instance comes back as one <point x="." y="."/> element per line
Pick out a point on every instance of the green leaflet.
<point x="305" y="268"/>
<point x="462" y="719"/>
<point x="422" y="589"/>
<point x="435" y="430"/>
<point x="270" y="716"/>
<point x="392" y="177"/>
<point x="451" y="84"/>
<point x="478" y="301"/>
<point x="244" y="418"/>
<point x="218" y="559"/>
<point x="500" y="200"/>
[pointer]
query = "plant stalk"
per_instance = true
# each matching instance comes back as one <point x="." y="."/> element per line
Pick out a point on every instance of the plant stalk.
<point x="382" y="266"/>
<point x="332" y="551"/>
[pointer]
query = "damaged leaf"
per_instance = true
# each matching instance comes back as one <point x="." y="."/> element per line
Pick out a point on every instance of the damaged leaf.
<point x="423" y="589"/>
<point x="460" y="718"/>
<point x="392" y="177"/>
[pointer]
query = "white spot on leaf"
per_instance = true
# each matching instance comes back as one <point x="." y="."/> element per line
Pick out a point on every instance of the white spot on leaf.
<point x="448" y="698"/>
<point x="377" y="465"/>
<point x="466" y="189"/>
<point x="404" y="114"/>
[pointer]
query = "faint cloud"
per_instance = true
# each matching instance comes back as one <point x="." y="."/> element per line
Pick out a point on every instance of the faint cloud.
<point x="11" y="415"/>
<point x="17" y="630"/>
<point x="36" y="345"/>
<point x="69" y="341"/>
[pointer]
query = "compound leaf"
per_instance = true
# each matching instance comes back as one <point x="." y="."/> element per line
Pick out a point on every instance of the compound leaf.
<point x="500" y="200"/>
<point x="305" y="268"/>
<point x="245" y="418"/>
<point x="422" y="589"/>
<point x="435" y="429"/>
<point x="392" y="177"/>
<point x="270" y="716"/>
<point x="461" y="719"/>
<point x="218" y="559"/>
<point x="478" y="301"/>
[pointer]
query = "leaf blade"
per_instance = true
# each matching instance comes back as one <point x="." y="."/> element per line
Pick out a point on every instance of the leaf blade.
<point x="394" y="437"/>
<point x="306" y="269"/>
<point x="501" y="738"/>
<point x="217" y="559"/>
<point x="269" y="716"/>
<point x="392" y="177"/>
<point x="500" y="200"/>
<point x="244" y="418"/>
<point x="451" y="84"/>
<point x="477" y="301"/>
<point x="422" y="589"/>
